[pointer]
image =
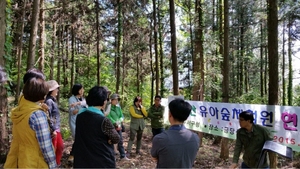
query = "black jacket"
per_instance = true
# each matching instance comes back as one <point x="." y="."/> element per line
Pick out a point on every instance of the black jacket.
<point x="91" y="147"/>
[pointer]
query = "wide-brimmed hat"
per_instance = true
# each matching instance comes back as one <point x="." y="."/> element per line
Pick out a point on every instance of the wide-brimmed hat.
<point x="52" y="84"/>
<point x="114" y="96"/>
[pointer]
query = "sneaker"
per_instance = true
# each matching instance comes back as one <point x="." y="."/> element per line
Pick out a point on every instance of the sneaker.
<point x="124" y="159"/>
<point x="71" y="158"/>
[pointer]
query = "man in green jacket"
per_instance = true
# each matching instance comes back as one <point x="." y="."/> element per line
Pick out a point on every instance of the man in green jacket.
<point x="156" y="114"/>
<point x="251" y="138"/>
<point x="116" y="117"/>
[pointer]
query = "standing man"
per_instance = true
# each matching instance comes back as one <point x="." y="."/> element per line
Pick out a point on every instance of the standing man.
<point x="251" y="138"/>
<point x="156" y="114"/>
<point x="176" y="147"/>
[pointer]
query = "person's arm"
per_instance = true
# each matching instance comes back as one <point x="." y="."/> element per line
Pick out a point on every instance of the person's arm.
<point x="121" y="116"/>
<point x="161" y="113"/>
<point x="110" y="131"/>
<point x="72" y="105"/>
<point x="157" y="145"/>
<point x="150" y="113"/>
<point x="237" y="151"/>
<point x="50" y="107"/>
<point x="107" y="110"/>
<point x="38" y="122"/>
<point x="109" y="116"/>
<point x="133" y="113"/>
<point x="143" y="109"/>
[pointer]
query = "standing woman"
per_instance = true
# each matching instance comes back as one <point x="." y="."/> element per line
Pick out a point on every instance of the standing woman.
<point x="116" y="117"/>
<point x="31" y="146"/>
<point x="137" y="124"/>
<point x="55" y="118"/>
<point x="95" y="134"/>
<point x="76" y="102"/>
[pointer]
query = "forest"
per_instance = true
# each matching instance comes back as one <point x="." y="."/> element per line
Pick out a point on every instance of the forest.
<point x="228" y="51"/>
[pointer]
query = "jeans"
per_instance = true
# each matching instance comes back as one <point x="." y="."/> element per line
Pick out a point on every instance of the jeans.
<point x="157" y="131"/>
<point x="120" y="145"/>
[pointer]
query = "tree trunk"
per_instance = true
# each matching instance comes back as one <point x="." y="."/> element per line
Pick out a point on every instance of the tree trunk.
<point x="52" y="55"/>
<point x="290" y="82"/>
<point x="196" y="58"/>
<point x="20" y="51"/>
<point x="155" y="48"/>
<point x="4" y="140"/>
<point x="98" y="42"/>
<point x="174" y="48"/>
<point x="283" y="65"/>
<point x="273" y="61"/>
<point x="241" y="58"/>
<point x="118" y="59"/>
<point x="66" y="56"/>
<point x="161" y="52"/>
<point x="151" y="63"/>
<point x="33" y="34"/>
<point x="73" y="66"/>
<point x="261" y="61"/>
<point x="221" y="31"/>
<point x="224" y="154"/>
<point x="217" y="139"/>
<point x="59" y="54"/>
<point x="42" y="36"/>
<point x="201" y="52"/>
<point x="191" y="46"/>
<point x="138" y="74"/>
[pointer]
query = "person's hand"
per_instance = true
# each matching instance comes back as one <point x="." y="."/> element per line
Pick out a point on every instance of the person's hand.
<point x="44" y="106"/>
<point x="75" y="104"/>
<point x="154" y="159"/>
<point x="75" y="111"/>
<point x="233" y="165"/>
<point x="53" y="135"/>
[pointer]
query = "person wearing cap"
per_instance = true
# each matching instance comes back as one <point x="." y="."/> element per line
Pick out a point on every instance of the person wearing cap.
<point x="137" y="124"/>
<point x="115" y="115"/>
<point x="31" y="146"/>
<point x="55" y="118"/>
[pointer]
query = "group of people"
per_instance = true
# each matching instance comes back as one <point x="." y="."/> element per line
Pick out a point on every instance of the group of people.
<point x="96" y="125"/>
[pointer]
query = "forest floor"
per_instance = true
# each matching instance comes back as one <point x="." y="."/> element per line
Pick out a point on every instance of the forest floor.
<point x="207" y="157"/>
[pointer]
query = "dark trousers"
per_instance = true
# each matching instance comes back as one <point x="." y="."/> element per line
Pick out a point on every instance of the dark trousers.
<point x="245" y="166"/>
<point x="156" y="131"/>
<point x="71" y="152"/>
<point x="120" y="145"/>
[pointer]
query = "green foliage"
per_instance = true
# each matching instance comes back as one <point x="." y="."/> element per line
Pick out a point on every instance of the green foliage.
<point x="64" y="118"/>
<point x="250" y="98"/>
<point x="296" y="95"/>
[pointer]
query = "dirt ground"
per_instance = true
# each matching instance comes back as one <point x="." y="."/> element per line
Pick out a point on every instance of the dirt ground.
<point x="207" y="157"/>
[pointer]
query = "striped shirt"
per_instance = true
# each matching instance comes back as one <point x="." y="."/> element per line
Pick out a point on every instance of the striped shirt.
<point x="38" y="122"/>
